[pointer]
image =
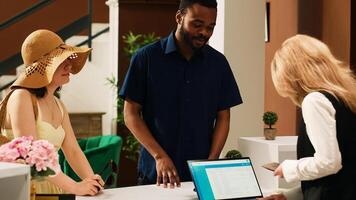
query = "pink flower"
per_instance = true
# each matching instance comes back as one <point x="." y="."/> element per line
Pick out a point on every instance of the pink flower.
<point x="39" y="154"/>
<point x="17" y="141"/>
<point x="8" y="154"/>
<point x="24" y="148"/>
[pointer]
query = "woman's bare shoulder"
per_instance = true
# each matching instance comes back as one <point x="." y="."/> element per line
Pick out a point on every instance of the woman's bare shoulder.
<point x="21" y="93"/>
<point x="19" y="96"/>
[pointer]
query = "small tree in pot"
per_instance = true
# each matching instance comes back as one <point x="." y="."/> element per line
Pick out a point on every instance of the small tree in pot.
<point x="270" y="118"/>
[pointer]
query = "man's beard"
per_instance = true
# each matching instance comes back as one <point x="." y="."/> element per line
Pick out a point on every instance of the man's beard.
<point x="189" y="41"/>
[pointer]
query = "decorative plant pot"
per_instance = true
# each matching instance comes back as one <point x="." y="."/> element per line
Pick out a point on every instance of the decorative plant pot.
<point x="270" y="133"/>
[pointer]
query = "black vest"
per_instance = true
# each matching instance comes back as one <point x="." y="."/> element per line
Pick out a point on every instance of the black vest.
<point x="342" y="185"/>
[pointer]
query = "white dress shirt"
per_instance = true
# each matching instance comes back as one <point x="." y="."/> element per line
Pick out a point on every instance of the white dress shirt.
<point x="319" y="117"/>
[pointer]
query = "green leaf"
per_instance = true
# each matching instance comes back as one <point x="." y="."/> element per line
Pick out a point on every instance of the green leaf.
<point x="233" y="154"/>
<point x="38" y="174"/>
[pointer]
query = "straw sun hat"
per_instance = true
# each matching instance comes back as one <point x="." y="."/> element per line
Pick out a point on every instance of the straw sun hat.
<point x="42" y="52"/>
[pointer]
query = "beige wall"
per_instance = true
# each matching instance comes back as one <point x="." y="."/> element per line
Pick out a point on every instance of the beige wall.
<point x="283" y="24"/>
<point x="336" y="27"/>
<point x="243" y="45"/>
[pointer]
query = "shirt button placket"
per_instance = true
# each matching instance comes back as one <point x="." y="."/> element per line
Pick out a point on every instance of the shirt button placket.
<point x="187" y="83"/>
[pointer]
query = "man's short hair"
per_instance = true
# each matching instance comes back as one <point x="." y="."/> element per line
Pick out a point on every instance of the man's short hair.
<point x="184" y="4"/>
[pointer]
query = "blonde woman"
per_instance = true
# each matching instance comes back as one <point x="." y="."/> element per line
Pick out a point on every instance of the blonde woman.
<point x="305" y="70"/>
<point x="32" y="109"/>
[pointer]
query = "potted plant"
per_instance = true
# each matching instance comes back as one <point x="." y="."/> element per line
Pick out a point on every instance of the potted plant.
<point x="233" y="154"/>
<point x="40" y="155"/>
<point x="270" y="118"/>
<point x="131" y="147"/>
<point x="133" y="42"/>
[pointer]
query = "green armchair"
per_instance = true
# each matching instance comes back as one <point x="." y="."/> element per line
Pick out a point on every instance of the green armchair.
<point x="101" y="151"/>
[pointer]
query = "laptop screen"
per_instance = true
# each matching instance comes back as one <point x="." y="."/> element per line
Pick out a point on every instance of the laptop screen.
<point x="224" y="179"/>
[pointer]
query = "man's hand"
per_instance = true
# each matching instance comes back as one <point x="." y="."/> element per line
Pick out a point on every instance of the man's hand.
<point x="166" y="172"/>
<point x="279" y="172"/>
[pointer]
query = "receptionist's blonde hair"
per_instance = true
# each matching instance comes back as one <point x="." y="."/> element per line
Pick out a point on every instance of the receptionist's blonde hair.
<point x="304" y="64"/>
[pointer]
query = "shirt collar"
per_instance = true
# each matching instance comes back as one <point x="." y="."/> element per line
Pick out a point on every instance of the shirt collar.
<point x="171" y="44"/>
<point x="172" y="47"/>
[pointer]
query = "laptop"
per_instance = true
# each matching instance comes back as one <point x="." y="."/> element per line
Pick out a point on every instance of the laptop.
<point x="225" y="179"/>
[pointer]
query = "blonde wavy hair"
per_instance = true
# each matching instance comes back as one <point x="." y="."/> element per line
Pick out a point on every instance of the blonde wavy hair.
<point x="304" y="64"/>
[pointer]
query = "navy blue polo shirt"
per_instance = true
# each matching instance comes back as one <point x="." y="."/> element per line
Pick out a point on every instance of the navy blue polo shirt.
<point x="180" y="100"/>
